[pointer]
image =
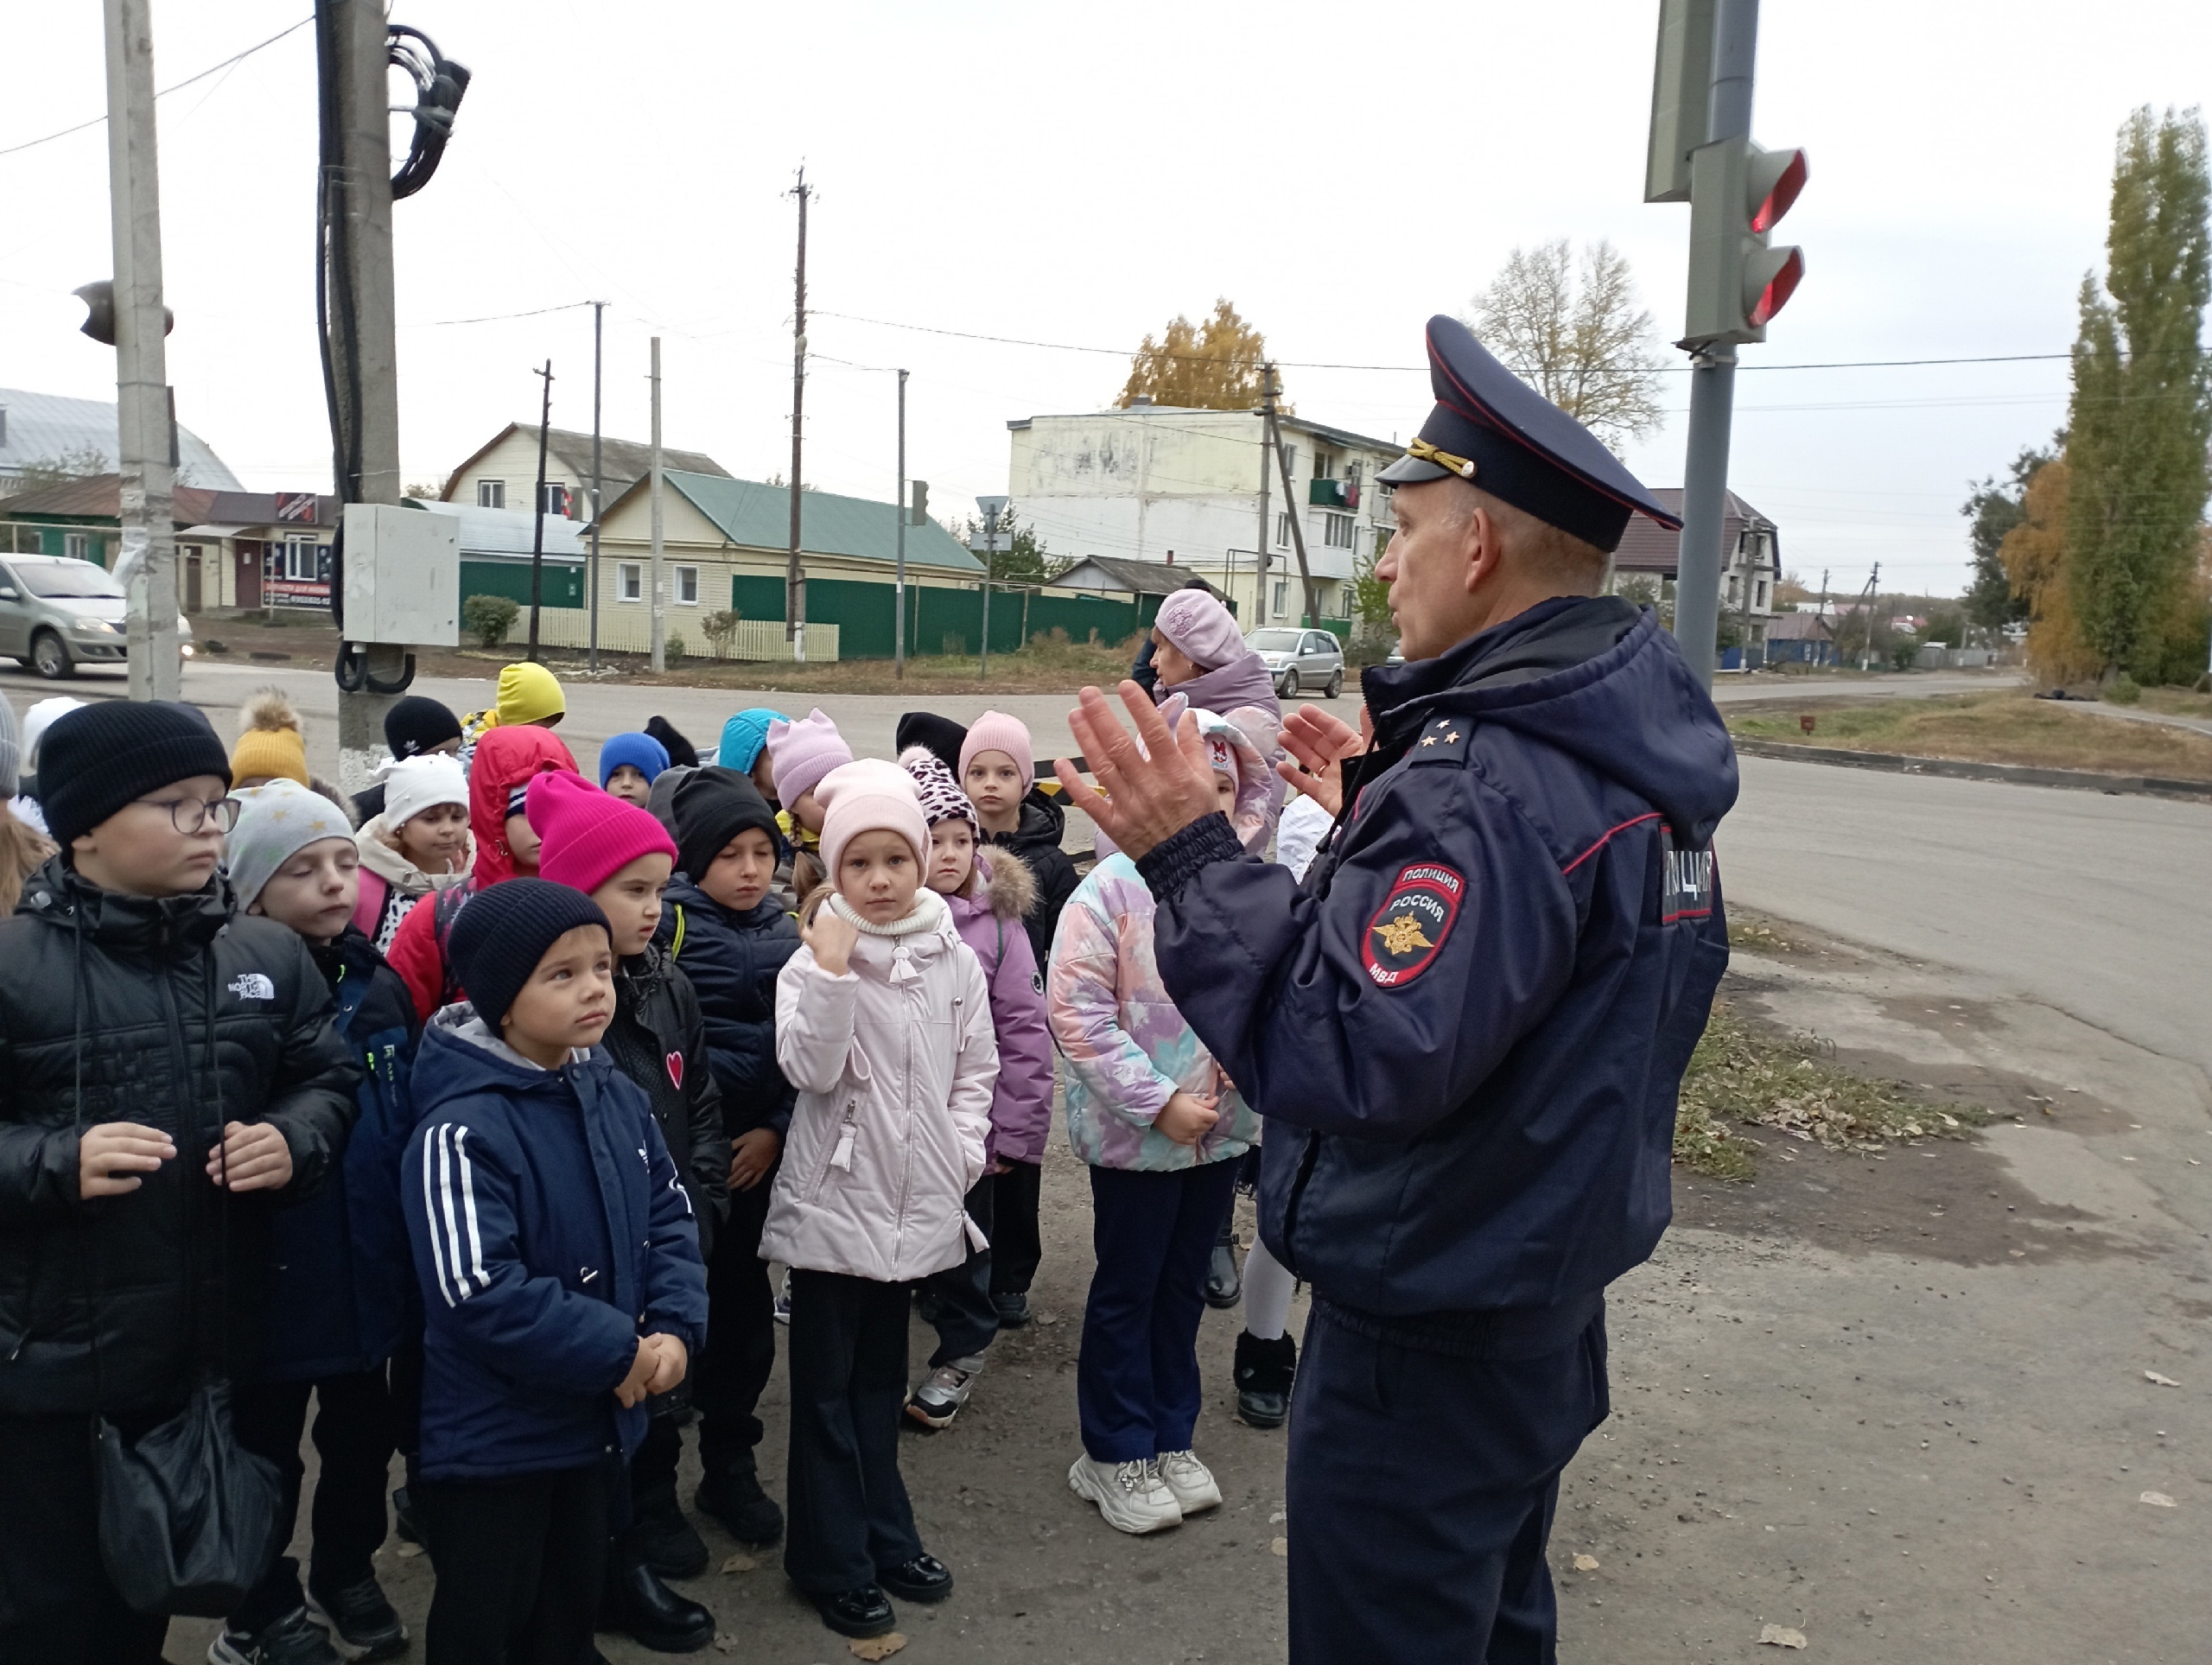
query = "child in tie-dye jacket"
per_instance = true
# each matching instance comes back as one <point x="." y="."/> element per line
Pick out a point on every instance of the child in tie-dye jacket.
<point x="1160" y="1126"/>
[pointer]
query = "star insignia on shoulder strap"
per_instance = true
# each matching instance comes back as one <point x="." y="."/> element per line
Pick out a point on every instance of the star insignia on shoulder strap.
<point x="1444" y="740"/>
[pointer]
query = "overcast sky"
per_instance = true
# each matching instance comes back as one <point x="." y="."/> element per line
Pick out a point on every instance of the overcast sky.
<point x="1067" y="175"/>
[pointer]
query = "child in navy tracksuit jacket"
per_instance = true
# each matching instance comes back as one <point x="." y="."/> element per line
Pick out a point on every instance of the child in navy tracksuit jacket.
<point x="561" y="1284"/>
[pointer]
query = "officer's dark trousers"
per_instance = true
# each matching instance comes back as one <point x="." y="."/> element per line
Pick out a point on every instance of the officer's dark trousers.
<point x="355" y="1437"/>
<point x="967" y="1322"/>
<point x="849" y="1516"/>
<point x="520" y="1563"/>
<point x="1136" y="1381"/>
<point x="57" y="1603"/>
<point x="740" y="1352"/>
<point x="1016" y="1244"/>
<point x="1421" y="1486"/>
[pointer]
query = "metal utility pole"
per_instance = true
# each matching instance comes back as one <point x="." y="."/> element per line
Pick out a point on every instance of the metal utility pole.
<point x="899" y="583"/>
<point x="537" y="515"/>
<point x="353" y="60"/>
<point x="988" y="543"/>
<point x="1712" y="370"/>
<point x="659" y="594"/>
<point x="598" y="313"/>
<point x="1266" y="446"/>
<point x="1867" y="612"/>
<point x="795" y="574"/>
<point x="1297" y="520"/>
<point x="144" y="436"/>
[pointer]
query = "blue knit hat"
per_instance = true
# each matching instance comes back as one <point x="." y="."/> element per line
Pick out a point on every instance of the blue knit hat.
<point x="504" y="932"/>
<point x="641" y="752"/>
<point x="743" y="736"/>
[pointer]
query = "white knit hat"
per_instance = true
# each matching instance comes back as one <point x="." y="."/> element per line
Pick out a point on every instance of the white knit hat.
<point x="414" y="784"/>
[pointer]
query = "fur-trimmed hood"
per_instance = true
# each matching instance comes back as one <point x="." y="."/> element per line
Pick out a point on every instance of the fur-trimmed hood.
<point x="1003" y="880"/>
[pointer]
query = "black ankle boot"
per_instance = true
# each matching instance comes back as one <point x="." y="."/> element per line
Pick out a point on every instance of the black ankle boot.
<point x="1265" y="1372"/>
<point x="732" y="1496"/>
<point x="638" y="1605"/>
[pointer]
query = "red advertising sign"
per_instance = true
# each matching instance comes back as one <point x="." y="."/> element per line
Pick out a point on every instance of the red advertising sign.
<point x="295" y="506"/>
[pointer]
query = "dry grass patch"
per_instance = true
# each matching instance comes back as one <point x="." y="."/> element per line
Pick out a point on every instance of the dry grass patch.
<point x="1995" y="728"/>
<point x="1744" y="1077"/>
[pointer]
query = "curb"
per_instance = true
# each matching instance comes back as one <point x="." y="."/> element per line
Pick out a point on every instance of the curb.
<point x="2081" y="780"/>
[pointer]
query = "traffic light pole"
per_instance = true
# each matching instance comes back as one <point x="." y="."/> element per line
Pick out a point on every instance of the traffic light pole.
<point x="1713" y="372"/>
<point x="144" y="435"/>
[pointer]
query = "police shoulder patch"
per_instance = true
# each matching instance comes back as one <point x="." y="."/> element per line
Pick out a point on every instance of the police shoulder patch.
<point x="1443" y="740"/>
<point x="1409" y="930"/>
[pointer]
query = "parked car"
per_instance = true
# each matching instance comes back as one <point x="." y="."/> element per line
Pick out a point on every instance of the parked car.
<point x="57" y="613"/>
<point x="1300" y="659"/>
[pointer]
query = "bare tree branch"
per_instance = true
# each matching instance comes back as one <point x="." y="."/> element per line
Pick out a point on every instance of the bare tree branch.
<point x="1580" y="338"/>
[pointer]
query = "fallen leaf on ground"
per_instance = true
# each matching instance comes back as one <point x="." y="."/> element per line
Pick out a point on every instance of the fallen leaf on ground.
<point x="740" y="1564"/>
<point x="1783" y="1637"/>
<point x="2163" y="1381"/>
<point x="725" y="1645"/>
<point x="408" y="1552"/>
<point x="1279" y="1547"/>
<point x="1586" y="1563"/>
<point x="2158" y="1500"/>
<point x="880" y="1647"/>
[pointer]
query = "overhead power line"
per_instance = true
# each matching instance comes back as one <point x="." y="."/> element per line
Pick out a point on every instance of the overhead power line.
<point x="174" y="86"/>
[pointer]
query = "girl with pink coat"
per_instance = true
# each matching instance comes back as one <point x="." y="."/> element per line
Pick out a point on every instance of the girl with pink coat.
<point x="883" y="1026"/>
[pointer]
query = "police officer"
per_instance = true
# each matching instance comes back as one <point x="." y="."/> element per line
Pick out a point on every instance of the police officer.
<point x="1468" y="1026"/>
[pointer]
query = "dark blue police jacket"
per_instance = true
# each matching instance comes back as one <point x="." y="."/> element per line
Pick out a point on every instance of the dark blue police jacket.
<point x="344" y="1286"/>
<point x="551" y="1230"/>
<point x="1468" y="1028"/>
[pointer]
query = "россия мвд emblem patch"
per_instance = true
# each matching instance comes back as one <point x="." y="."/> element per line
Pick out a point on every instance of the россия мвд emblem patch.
<point x="1407" y="931"/>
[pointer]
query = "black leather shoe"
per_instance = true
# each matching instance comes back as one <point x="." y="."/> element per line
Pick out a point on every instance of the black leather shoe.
<point x="668" y="1543"/>
<point x="1265" y="1372"/>
<point x="862" y="1612"/>
<point x="1224" y="1283"/>
<point x="734" y="1497"/>
<point x="640" y="1606"/>
<point x="923" y="1579"/>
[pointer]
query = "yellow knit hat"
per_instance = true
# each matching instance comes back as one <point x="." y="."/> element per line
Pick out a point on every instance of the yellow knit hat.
<point x="528" y="693"/>
<point x="269" y="745"/>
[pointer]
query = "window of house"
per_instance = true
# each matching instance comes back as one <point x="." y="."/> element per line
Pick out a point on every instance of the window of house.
<point x="1282" y="531"/>
<point x="1324" y="465"/>
<point x="1336" y="531"/>
<point x="553" y="498"/>
<point x="78" y="546"/>
<point x="1282" y="595"/>
<point x="687" y="587"/>
<point x="1352" y="473"/>
<point x="491" y="494"/>
<point x="301" y="565"/>
<point x="629" y="581"/>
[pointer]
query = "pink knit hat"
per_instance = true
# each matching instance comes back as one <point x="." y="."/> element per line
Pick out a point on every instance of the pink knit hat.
<point x="869" y="796"/>
<point x="1202" y="628"/>
<point x="995" y="731"/>
<point x="802" y="752"/>
<point x="589" y="837"/>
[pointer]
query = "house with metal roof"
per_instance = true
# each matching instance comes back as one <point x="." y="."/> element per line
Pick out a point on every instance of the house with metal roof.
<point x="40" y="431"/>
<point x="1751" y="564"/>
<point x="500" y="473"/>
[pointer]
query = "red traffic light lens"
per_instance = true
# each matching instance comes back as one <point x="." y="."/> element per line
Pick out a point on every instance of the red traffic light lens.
<point x="1775" y="294"/>
<point x="1783" y="193"/>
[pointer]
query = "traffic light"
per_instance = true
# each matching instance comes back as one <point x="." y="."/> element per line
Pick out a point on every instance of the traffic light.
<point x="1738" y="192"/>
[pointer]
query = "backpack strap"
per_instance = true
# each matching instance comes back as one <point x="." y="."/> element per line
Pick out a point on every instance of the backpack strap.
<point x="676" y="942"/>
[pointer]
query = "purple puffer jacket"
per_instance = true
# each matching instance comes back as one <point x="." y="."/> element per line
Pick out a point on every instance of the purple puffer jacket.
<point x="990" y="922"/>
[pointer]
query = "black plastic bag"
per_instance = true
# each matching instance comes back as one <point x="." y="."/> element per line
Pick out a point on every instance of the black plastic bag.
<point x="188" y="1517"/>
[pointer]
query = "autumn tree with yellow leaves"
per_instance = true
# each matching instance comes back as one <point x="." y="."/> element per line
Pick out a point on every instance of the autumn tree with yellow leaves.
<point x="1219" y="365"/>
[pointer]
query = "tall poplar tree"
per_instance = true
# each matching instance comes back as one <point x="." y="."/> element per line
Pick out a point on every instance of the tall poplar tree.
<point x="2141" y="420"/>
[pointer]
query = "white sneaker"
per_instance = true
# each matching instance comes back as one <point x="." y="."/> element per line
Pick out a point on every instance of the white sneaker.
<point x="1190" y="1481"/>
<point x="938" y="1399"/>
<point x="1131" y="1495"/>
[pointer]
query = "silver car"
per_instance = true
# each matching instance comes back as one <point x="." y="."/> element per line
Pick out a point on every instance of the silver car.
<point x="1300" y="659"/>
<point x="57" y="613"/>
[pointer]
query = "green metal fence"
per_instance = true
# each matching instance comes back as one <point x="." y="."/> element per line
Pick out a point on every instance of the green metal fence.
<point x="941" y="620"/>
<point x="562" y="585"/>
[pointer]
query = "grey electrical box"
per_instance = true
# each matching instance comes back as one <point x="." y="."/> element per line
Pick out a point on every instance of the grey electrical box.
<point x="402" y="576"/>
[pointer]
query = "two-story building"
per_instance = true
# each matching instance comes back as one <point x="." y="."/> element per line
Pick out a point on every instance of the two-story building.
<point x="1184" y="487"/>
<point x="1750" y="567"/>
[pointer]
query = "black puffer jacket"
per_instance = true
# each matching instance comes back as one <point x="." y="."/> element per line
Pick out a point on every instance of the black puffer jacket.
<point x="173" y="1014"/>
<point x="1036" y="840"/>
<point x="732" y="960"/>
<point x="658" y="1040"/>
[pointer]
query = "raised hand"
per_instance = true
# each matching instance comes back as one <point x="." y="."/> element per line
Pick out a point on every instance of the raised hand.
<point x="1319" y="743"/>
<point x="1144" y="798"/>
<point x="831" y="936"/>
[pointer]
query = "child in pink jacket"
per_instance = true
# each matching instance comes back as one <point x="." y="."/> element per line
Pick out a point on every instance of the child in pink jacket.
<point x="883" y="1026"/>
<point x="990" y="893"/>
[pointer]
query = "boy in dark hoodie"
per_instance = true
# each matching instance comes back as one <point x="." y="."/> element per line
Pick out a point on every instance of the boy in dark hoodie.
<point x="559" y="1263"/>
<point x="724" y="928"/>
<point x="620" y="856"/>
<point x="344" y="1291"/>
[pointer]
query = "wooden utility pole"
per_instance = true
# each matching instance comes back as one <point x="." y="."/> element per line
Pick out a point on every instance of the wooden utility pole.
<point x="143" y="438"/>
<point x="1290" y="503"/>
<point x="1266" y="444"/>
<point x="538" y="514"/>
<point x="598" y="314"/>
<point x="660" y="588"/>
<point x="794" y="573"/>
